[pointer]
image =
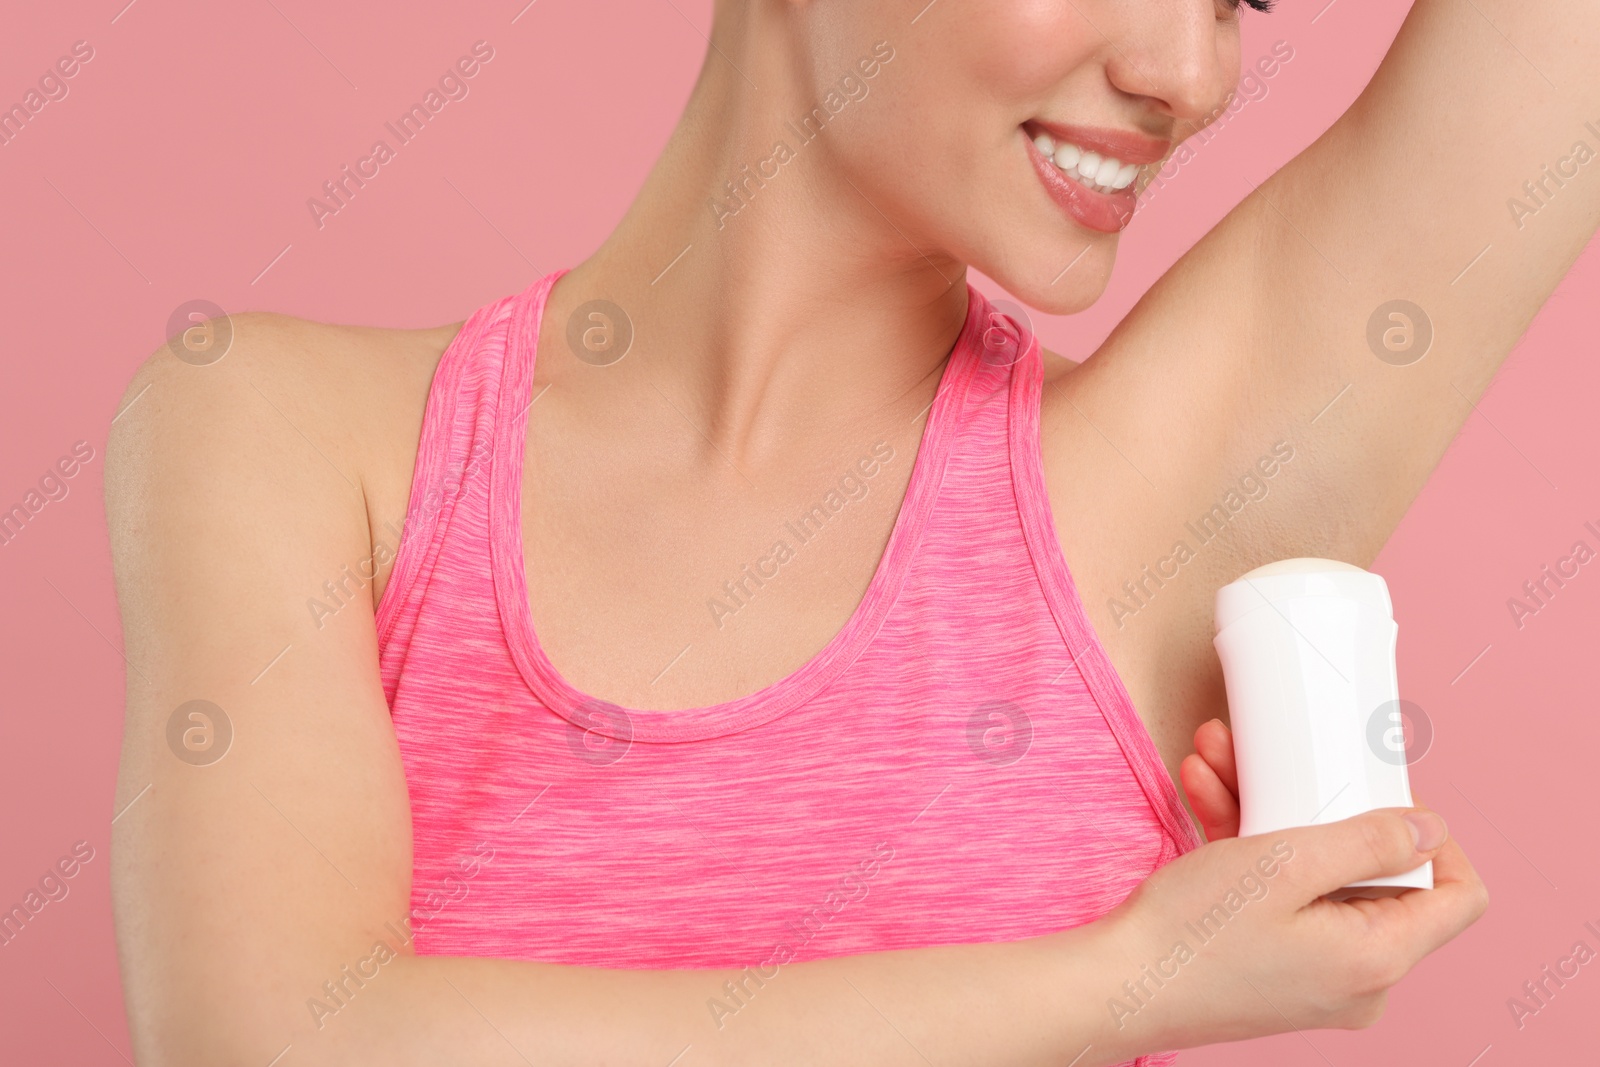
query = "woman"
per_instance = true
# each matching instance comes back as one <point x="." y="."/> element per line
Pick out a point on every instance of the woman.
<point x="785" y="660"/>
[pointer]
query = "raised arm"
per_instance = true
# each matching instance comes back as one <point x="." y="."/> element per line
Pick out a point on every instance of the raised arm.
<point x="1348" y="313"/>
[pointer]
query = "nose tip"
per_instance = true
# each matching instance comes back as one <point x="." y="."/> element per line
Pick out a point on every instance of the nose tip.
<point x="1195" y="90"/>
<point x="1178" y="66"/>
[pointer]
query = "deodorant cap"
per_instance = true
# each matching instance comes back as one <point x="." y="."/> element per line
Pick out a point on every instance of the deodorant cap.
<point x="1291" y="578"/>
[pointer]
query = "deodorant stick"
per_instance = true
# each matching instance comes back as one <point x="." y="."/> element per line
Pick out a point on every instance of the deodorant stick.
<point x="1308" y="657"/>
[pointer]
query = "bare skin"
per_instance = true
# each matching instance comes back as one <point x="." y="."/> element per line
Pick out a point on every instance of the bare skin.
<point x="769" y="356"/>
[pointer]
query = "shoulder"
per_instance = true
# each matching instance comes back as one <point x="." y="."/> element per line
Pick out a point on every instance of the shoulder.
<point x="284" y="420"/>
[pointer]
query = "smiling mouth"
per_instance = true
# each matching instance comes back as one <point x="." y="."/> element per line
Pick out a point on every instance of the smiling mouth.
<point x="1092" y="163"/>
<point x="1091" y="169"/>
<point x="1094" y="175"/>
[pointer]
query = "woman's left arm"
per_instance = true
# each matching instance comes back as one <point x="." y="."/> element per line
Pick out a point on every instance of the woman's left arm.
<point x="1356" y="304"/>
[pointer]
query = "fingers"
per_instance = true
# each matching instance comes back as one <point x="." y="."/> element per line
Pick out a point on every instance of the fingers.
<point x="1211" y="780"/>
<point x="1214" y="742"/>
<point x="1214" y="804"/>
<point x="1376" y="844"/>
<point x="1403" y="929"/>
<point x="1458" y="899"/>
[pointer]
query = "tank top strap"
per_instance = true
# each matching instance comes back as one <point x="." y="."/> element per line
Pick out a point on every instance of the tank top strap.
<point x="1089" y="657"/>
<point x="463" y="420"/>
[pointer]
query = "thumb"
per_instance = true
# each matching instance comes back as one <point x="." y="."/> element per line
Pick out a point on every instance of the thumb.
<point x="1375" y="844"/>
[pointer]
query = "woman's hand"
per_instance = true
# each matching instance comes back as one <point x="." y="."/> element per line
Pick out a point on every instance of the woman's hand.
<point x="1237" y="940"/>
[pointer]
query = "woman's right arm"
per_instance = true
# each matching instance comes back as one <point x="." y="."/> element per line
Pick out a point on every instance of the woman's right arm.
<point x="243" y="884"/>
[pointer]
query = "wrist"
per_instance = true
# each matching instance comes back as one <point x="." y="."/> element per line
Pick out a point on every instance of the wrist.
<point x="1105" y="997"/>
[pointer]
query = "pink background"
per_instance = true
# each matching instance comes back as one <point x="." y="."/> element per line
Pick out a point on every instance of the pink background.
<point x="179" y="167"/>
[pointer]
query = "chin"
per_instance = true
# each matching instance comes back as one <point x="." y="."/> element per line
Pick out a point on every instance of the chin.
<point x="1037" y="279"/>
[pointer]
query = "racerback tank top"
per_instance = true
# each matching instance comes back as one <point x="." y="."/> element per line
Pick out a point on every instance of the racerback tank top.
<point x="960" y="763"/>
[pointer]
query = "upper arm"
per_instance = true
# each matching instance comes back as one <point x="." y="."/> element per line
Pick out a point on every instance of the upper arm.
<point x="245" y="872"/>
<point x="1259" y="336"/>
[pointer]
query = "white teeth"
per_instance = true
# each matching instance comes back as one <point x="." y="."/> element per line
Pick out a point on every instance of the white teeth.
<point x="1101" y="173"/>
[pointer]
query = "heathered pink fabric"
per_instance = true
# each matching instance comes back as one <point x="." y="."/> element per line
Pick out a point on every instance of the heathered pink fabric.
<point x="960" y="763"/>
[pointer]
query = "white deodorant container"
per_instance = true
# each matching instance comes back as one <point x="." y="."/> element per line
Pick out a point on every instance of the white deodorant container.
<point x="1307" y="649"/>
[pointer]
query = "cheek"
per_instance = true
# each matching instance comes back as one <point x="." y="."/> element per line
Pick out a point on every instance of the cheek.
<point x="918" y="109"/>
<point x="1022" y="53"/>
<point x="961" y="82"/>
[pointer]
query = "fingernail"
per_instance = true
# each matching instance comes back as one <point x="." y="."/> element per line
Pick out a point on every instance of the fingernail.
<point x="1427" y="830"/>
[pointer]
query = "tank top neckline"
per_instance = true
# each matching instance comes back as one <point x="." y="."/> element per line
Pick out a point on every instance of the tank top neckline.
<point x="607" y="719"/>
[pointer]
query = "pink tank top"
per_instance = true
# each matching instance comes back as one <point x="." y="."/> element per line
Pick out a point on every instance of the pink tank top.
<point x="959" y="764"/>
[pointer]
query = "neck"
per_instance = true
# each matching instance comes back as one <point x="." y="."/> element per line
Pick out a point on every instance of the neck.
<point x="764" y="288"/>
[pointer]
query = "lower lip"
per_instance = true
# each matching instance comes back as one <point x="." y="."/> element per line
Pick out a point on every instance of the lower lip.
<point x="1102" y="212"/>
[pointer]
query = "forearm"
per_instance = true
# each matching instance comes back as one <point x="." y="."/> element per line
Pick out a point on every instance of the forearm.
<point x="1040" y="1001"/>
